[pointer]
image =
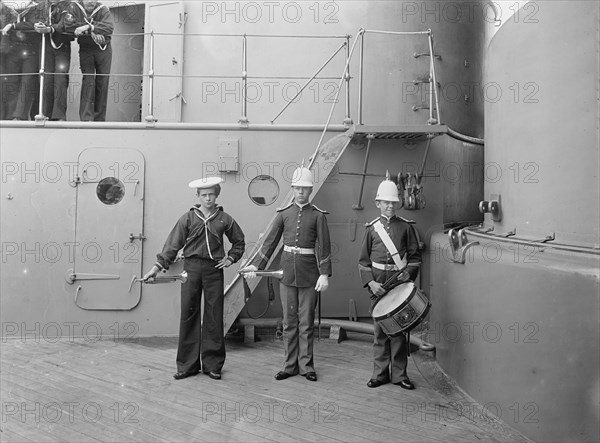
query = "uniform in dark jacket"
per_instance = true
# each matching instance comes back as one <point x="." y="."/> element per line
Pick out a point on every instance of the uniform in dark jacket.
<point x="306" y="255"/>
<point x="390" y="354"/>
<point x="304" y="227"/>
<point x="373" y="249"/>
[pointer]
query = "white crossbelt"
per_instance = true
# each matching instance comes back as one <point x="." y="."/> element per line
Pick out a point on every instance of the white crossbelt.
<point x="384" y="267"/>
<point x="389" y="244"/>
<point x="297" y="250"/>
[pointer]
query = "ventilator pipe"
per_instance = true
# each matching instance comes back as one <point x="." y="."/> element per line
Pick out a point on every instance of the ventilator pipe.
<point x="348" y="325"/>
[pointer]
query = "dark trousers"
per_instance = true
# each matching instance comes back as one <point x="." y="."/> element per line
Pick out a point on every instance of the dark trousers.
<point x="56" y="81"/>
<point x="298" y="322"/>
<point x="201" y="345"/>
<point x="5" y="111"/>
<point x="95" y="66"/>
<point x="19" y="92"/>
<point x="390" y="354"/>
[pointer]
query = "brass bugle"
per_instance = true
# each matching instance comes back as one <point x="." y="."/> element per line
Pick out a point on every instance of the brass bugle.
<point x="170" y="278"/>
<point x="161" y="279"/>
<point x="275" y="274"/>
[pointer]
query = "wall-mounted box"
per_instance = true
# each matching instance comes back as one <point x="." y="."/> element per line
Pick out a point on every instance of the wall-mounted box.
<point x="229" y="153"/>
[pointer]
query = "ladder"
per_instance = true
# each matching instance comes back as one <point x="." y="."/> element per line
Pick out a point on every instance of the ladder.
<point x="320" y="165"/>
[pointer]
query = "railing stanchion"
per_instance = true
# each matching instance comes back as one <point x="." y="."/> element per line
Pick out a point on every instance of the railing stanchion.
<point x="243" y="121"/>
<point x="150" y="117"/>
<point x="360" y="76"/>
<point x="434" y="89"/>
<point x="39" y="118"/>
<point x="348" y="120"/>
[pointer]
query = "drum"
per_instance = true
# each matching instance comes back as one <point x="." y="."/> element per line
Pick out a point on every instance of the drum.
<point x="401" y="309"/>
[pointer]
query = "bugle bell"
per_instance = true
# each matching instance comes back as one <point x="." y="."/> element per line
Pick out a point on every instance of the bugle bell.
<point x="275" y="274"/>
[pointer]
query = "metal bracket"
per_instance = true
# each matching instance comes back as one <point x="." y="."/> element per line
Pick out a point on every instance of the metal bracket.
<point x="459" y="244"/>
<point x="71" y="276"/>
<point x="417" y="107"/>
<point x="547" y="238"/>
<point x="136" y="237"/>
<point x="183" y="19"/>
<point x="492" y="207"/>
<point x="179" y="95"/>
<point x="352" y="229"/>
<point x="75" y="182"/>
<point x="489" y="230"/>
<point x="426" y="54"/>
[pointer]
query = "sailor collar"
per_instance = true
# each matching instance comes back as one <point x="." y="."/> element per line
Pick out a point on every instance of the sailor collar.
<point x="196" y="209"/>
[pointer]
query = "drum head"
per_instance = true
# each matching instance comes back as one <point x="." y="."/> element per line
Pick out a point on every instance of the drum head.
<point x="392" y="300"/>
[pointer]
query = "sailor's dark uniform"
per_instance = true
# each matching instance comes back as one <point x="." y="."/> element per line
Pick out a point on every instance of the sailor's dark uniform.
<point x="202" y="241"/>
<point x="95" y="59"/>
<point x="376" y="263"/>
<point x="306" y="255"/>
<point x="57" y="63"/>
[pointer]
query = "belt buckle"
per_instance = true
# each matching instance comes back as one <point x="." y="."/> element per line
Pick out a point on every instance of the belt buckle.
<point x="295" y="250"/>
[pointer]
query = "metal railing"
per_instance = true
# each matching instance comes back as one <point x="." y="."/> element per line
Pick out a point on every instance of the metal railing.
<point x="344" y="78"/>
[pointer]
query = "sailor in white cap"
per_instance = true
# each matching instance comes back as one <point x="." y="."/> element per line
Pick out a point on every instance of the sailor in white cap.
<point x="200" y="233"/>
<point x="306" y="263"/>
<point x="376" y="265"/>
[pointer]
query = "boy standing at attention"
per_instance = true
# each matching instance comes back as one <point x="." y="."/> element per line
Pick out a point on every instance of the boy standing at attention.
<point x="306" y="263"/>
<point x="200" y="233"/>
<point x="377" y="263"/>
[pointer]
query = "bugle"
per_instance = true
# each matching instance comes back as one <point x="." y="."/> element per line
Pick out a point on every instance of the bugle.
<point x="275" y="274"/>
<point x="161" y="279"/>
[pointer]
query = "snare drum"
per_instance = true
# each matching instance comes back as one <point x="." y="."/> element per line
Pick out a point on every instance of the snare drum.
<point x="401" y="309"/>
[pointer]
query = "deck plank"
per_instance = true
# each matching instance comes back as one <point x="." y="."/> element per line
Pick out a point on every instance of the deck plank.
<point x="247" y="405"/>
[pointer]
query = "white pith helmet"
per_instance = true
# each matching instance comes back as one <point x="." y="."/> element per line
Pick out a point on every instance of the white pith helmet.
<point x="387" y="191"/>
<point x="302" y="177"/>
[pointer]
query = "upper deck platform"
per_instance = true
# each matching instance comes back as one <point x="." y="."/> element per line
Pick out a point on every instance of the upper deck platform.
<point x="400" y="132"/>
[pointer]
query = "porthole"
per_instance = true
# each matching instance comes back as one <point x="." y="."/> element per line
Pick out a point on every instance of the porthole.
<point x="263" y="190"/>
<point x="110" y="190"/>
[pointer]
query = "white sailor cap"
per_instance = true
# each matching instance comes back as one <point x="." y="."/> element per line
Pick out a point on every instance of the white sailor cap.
<point x="207" y="182"/>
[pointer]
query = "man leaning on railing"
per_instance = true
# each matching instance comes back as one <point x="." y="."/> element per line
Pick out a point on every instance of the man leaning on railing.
<point x="93" y="26"/>
<point x="20" y="55"/>
<point x="57" y="58"/>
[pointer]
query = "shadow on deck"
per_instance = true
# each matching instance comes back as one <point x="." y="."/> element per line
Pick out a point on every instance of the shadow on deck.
<point x="78" y="390"/>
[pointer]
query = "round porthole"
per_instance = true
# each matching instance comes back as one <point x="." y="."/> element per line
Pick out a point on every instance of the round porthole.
<point x="263" y="190"/>
<point x="110" y="190"/>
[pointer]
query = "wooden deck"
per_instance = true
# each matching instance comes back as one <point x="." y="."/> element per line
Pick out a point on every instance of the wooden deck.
<point x="76" y="391"/>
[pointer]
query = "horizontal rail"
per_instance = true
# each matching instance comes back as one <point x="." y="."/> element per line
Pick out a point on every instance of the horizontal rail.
<point x="172" y="125"/>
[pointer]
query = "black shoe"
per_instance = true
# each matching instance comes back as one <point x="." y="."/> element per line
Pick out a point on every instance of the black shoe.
<point x="215" y="375"/>
<point x="184" y="374"/>
<point x="311" y="376"/>
<point x="282" y="375"/>
<point x="406" y="384"/>
<point x="374" y="383"/>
